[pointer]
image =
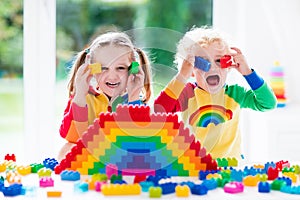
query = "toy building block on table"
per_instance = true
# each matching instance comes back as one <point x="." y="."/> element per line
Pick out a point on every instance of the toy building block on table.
<point x="138" y="143"/>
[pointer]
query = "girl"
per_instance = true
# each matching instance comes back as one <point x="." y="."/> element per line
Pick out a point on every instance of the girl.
<point x="115" y="53"/>
<point x="209" y="106"/>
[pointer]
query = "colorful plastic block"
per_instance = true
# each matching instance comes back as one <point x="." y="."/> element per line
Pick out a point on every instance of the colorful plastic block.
<point x="168" y="188"/>
<point x="98" y="185"/>
<point x="2" y="167"/>
<point x="222" y="162"/>
<point x="226" y="61"/>
<point x="210" y="184"/>
<point x="139" y="178"/>
<point x="100" y="177"/>
<point x="11" y="157"/>
<point x="202" y="64"/>
<point x="81" y="186"/>
<point x="264" y="187"/>
<point x="277" y="184"/>
<point x="182" y="191"/>
<point x="44" y="172"/>
<point x="272" y="173"/>
<point x="291" y="175"/>
<point x="121" y="189"/>
<point x="12" y="190"/>
<point x="114" y="178"/>
<point x="155" y="192"/>
<point x="110" y="170"/>
<point x="50" y="163"/>
<point x="290" y="189"/>
<point x="69" y="175"/>
<point x="234" y="187"/>
<point x="54" y="193"/>
<point x="282" y="164"/>
<point x="24" y="170"/>
<point x="46" y="182"/>
<point x="237" y="175"/>
<point x="35" y="167"/>
<point x="13" y="177"/>
<point x="251" y="180"/>
<point x="199" y="190"/>
<point x="134" y="68"/>
<point x="95" y="68"/>
<point x="146" y="185"/>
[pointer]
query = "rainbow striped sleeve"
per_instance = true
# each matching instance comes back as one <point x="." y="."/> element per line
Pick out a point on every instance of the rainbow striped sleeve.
<point x="74" y="123"/>
<point x="173" y="98"/>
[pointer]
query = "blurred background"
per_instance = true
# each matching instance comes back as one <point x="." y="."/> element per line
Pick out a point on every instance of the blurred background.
<point x="39" y="39"/>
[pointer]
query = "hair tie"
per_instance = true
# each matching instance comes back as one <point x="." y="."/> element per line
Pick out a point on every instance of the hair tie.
<point x="87" y="51"/>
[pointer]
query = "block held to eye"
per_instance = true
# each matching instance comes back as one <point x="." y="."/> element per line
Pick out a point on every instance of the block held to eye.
<point x="95" y="68"/>
<point x="226" y="61"/>
<point x="134" y="68"/>
<point x="202" y="64"/>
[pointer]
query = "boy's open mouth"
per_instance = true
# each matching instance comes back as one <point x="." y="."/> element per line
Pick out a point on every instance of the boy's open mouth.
<point x="213" y="80"/>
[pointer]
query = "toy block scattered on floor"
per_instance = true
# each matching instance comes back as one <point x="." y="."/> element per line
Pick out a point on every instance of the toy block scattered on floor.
<point x="138" y="142"/>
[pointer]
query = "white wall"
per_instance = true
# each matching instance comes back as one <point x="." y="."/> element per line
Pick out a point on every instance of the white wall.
<point x="266" y="31"/>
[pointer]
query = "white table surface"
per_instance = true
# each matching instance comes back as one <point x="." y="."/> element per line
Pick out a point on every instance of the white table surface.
<point x="67" y="188"/>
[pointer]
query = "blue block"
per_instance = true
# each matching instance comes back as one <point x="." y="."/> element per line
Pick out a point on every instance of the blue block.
<point x="199" y="190"/>
<point x="81" y="186"/>
<point x="12" y="190"/>
<point x="264" y="187"/>
<point x="69" y="175"/>
<point x="202" y="64"/>
<point x="145" y="185"/>
<point x="50" y="163"/>
<point x="237" y="175"/>
<point x="188" y="183"/>
<point x="168" y="188"/>
<point x="210" y="184"/>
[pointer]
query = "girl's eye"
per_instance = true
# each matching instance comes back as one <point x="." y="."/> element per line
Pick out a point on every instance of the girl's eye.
<point x="121" y="68"/>
<point x="104" y="68"/>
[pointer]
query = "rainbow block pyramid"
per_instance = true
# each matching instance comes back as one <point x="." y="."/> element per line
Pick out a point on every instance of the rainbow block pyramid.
<point x="277" y="84"/>
<point x="137" y="142"/>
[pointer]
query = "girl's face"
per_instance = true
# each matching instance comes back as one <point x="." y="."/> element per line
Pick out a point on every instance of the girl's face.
<point x="115" y="62"/>
<point x="213" y="80"/>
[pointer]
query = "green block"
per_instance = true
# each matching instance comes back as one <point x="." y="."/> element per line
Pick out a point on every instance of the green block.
<point x="134" y="68"/>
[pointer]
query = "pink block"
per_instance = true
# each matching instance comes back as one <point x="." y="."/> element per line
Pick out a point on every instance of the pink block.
<point x="98" y="185"/>
<point x="234" y="187"/>
<point x="110" y="170"/>
<point x="46" y="182"/>
<point x="147" y="172"/>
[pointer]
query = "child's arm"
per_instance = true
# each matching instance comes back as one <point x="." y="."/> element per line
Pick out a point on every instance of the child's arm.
<point x="175" y="96"/>
<point x="263" y="97"/>
<point x="75" y="122"/>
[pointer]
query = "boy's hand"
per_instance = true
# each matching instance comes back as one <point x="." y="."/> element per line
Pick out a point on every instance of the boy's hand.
<point x="241" y="64"/>
<point x="187" y="67"/>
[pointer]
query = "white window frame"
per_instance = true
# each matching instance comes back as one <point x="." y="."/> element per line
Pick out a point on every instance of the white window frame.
<point x="39" y="77"/>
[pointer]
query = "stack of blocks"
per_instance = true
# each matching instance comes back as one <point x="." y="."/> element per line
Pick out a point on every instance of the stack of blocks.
<point x="277" y="84"/>
<point x="138" y="143"/>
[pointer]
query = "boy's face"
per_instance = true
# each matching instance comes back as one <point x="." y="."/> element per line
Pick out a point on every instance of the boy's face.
<point x="214" y="79"/>
<point x="115" y="62"/>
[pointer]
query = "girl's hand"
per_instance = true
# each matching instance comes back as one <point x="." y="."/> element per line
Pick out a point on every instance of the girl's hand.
<point x="81" y="84"/>
<point x="187" y="67"/>
<point x="135" y="84"/>
<point x="241" y="64"/>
